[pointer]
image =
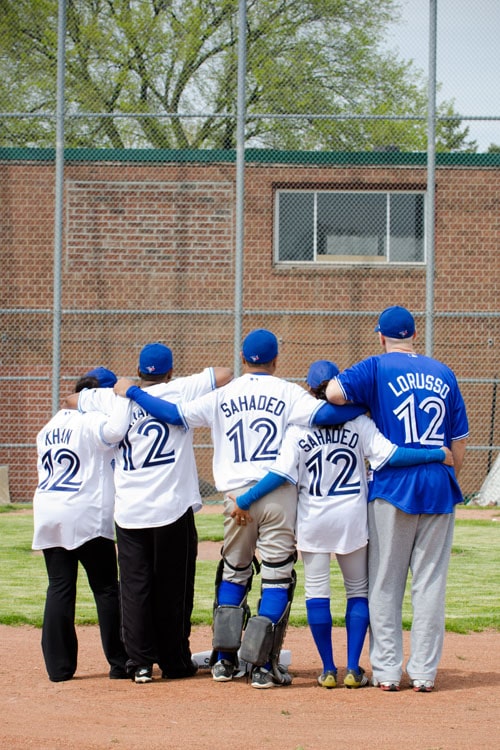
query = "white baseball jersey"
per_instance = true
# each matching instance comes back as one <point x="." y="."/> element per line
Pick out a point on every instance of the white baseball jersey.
<point x="74" y="500"/>
<point x="156" y="479"/>
<point x="248" y="418"/>
<point x="328" y="465"/>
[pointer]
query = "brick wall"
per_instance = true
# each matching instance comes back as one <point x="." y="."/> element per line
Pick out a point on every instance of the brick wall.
<point x="144" y="238"/>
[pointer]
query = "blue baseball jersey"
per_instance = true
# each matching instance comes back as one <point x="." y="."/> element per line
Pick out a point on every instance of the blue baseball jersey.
<point x="415" y="402"/>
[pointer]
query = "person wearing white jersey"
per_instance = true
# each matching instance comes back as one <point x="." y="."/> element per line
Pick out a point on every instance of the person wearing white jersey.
<point x="73" y="522"/>
<point x="248" y="418"/>
<point x="327" y="464"/>
<point x="415" y="401"/>
<point x="157" y="494"/>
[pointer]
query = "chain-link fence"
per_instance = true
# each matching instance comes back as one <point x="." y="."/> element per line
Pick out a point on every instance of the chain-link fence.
<point x="134" y="210"/>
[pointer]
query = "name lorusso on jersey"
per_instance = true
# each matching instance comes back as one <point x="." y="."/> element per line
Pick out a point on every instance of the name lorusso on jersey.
<point x="419" y="381"/>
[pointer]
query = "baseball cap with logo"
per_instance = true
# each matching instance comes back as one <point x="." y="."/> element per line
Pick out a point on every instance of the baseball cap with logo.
<point x="260" y="346"/>
<point x="106" y="378"/>
<point x="320" y="371"/>
<point x="396" y="323"/>
<point x="155" y="359"/>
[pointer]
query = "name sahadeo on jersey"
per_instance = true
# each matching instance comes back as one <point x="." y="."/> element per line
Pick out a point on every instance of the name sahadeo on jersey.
<point x="415" y="401"/>
<point x="248" y="418"/>
<point x="328" y="466"/>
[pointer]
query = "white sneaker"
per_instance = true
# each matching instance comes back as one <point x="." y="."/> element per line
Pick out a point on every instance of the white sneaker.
<point x="422" y="686"/>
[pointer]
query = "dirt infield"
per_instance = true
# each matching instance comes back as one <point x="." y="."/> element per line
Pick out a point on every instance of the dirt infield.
<point x="92" y="712"/>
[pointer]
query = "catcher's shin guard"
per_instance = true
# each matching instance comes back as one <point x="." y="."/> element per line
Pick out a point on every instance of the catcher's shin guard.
<point x="229" y="620"/>
<point x="263" y="639"/>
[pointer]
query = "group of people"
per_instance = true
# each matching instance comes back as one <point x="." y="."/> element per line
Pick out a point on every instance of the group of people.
<point x="291" y="463"/>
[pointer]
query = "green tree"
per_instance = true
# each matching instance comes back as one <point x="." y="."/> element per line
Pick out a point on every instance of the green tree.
<point x="163" y="74"/>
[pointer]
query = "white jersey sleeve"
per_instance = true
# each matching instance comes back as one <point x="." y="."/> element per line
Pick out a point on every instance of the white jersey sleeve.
<point x="97" y="399"/>
<point x="375" y="446"/>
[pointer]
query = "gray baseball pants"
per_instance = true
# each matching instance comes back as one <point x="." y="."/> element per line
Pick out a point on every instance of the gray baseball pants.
<point x="400" y="542"/>
<point x="271" y="533"/>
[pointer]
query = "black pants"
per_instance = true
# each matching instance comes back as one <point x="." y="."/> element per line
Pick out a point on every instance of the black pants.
<point x="157" y="574"/>
<point x="59" y="640"/>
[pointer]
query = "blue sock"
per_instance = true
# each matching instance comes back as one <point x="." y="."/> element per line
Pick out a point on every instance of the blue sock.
<point x="357" y="619"/>
<point x="273" y="603"/>
<point x="319" y="618"/>
<point x="229" y="593"/>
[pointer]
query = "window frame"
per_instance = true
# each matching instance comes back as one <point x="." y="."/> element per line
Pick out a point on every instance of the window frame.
<point x="324" y="260"/>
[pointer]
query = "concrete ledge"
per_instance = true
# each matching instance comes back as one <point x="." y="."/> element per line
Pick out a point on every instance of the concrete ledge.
<point x="4" y="486"/>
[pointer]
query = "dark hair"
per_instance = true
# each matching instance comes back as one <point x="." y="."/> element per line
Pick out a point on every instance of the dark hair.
<point x="157" y="378"/>
<point x="88" y="381"/>
<point x="320" y="390"/>
<point x="320" y="393"/>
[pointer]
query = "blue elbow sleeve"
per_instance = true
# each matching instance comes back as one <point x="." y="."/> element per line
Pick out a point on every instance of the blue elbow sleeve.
<point x="265" y="485"/>
<point x="165" y="411"/>
<point x="413" y="456"/>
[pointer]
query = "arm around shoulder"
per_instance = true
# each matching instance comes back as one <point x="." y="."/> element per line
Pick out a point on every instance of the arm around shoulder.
<point x="458" y="451"/>
<point x="334" y="393"/>
<point x="222" y="375"/>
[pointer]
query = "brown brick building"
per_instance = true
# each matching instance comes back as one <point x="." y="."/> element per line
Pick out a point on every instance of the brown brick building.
<point x="148" y="253"/>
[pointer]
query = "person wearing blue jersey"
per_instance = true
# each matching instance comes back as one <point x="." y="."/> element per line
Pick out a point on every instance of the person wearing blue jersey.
<point x="327" y="464"/>
<point x="415" y="401"/>
<point x="248" y="418"/>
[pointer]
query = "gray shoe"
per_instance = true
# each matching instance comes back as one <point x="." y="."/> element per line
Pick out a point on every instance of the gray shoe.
<point x="263" y="678"/>
<point x="223" y="670"/>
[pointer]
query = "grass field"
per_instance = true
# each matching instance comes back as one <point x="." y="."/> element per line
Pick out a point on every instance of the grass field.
<point x="472" y="601"/>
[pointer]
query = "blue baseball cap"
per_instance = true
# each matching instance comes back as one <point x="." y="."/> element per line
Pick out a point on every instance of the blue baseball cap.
<point x="106" y="378"/>
<point x="396" y="323"/>
<point x="320" y="371"/>
<point x="260" y="346"/>
<point x="155" y="359"/>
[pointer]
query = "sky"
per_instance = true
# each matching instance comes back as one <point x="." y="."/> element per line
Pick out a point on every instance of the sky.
<point x="467" y="59"/>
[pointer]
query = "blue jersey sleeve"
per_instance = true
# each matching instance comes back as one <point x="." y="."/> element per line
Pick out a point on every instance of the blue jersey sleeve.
<point x="165" y="411"/>
<point x="330" y="414"/>
<point x="414" y="456"/>
<point x="265" y="485"/>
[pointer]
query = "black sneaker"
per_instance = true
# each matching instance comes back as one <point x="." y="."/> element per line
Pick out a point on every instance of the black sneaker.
<point x="178" y="674"/>
<point x="143" y="674"/>
<point x="118" y="673"/>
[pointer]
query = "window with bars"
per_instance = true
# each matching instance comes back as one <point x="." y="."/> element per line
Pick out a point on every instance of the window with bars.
<point x="314" y="226"/>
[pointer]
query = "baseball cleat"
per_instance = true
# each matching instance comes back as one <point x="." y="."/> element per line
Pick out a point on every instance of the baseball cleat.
<point x="355" y="679"/>
<point x="328" y="679"/>
<point x="263" y="678"/>
<point x="388" y="686"/>
<point x="422" y="686"/>
<point x="223" y="670"/>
